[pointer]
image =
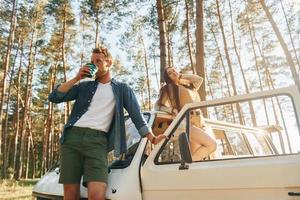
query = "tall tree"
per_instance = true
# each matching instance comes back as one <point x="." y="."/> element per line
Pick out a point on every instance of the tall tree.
<point x="162" y="38"/>
<point x="283" y="44"/>
<point x="200" y="47"/>
<point x="257" y="68"/>
<point x="187" y="19"/>
<point x="91" y="9"/>
<point x="252" y="113"/>
<point x="147" y="73"/>
<point x="171" y="15"/>
<point x="137" y="51"/>
<point x="17" y="129"/>
<point x="220" y="58"/>
<point x="6" y="64"/>
<point x="64" y="16"/>
<point x="5" y="122"/>
<point x="229" y="62"/>
<point x="290" y="33"/>
<point x="270" y="84"/>
<point x="29" y="72"/>
<point x="35" y="18"/>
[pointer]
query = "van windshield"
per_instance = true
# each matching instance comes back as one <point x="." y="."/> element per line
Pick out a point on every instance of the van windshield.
<point x="132" y="134"/>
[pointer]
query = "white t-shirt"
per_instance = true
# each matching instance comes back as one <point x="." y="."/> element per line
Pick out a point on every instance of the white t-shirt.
<point x="101" y="110"/>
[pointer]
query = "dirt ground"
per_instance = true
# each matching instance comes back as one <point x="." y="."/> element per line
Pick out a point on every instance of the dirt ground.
<point x="13" y="190"/>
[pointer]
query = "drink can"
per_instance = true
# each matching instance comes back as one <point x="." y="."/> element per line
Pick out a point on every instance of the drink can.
<point x="93" y="70"/>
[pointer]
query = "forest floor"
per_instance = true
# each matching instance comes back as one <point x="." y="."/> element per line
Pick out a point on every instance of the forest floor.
<point x="13" y="190"/>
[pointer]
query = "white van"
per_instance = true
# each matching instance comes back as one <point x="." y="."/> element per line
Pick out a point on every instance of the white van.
<point x="252" y="162"/>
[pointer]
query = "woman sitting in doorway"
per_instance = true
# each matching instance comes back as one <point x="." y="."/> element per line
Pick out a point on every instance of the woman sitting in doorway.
<point x="179" y="90"/>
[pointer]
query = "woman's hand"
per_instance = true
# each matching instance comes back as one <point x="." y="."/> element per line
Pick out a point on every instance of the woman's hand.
<point x="174" y="112"/>
<point x="158" y="138"/>
<point x="155" y="139"/>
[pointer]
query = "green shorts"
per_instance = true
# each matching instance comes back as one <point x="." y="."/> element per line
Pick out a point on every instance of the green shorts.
<point x="83" y="153"/>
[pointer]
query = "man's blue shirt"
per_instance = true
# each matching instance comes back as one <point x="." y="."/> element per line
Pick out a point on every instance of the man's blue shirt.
<point x="83" y="93"/>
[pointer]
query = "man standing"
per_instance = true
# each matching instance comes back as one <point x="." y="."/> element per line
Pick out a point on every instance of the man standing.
<point x="95" y="126"/>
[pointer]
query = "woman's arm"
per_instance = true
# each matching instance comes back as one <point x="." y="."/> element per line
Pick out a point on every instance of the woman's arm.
<point x="163" y="108"/>
<point x="194" y="79"/>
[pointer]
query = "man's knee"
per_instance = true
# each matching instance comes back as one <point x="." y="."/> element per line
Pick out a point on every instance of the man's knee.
<point x="96" y="196"/>
<point x="71" y="191"/>
<point x="96" y="190"/>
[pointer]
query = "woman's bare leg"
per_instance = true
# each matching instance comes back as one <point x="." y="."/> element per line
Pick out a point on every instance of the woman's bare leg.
<point x="201" y="143"/>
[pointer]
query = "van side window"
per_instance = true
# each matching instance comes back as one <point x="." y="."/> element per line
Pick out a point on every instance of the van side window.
<point x="170" y="153"/>
<point x="238" y="143"/>
<point x="259" y="144"/>
<point x="223" y="145"/>
<point x="267" y="125"/>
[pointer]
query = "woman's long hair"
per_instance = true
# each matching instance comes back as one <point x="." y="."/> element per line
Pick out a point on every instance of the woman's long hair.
<point x="170" y="88"/>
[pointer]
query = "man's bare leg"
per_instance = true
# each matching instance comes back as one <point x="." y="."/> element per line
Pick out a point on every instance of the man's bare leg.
<point x="96" y="190"/>
<point x="71" y="191"/>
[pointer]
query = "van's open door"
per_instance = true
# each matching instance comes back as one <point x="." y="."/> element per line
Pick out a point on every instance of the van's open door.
<point x="248" y="167"/>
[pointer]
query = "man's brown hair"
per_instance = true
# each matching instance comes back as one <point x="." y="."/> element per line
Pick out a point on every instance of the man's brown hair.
<point x="103" y="50"/>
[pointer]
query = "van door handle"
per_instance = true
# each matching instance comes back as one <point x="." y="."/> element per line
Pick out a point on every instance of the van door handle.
<point x="294" y="193"/>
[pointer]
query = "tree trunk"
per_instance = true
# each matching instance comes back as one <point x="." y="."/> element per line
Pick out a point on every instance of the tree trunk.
<point x="271" y="86"/>
<point x="224" y="70"/>
<point x="97" y="5"/>
<point x="200" y="49"/>
<point x="163" y="39"/>
<point x="147" y="74"/>
<point x="97" y="31"/>
<point x="17" y="125"/>
<point x="188" y="36"/>
<point x="49" y="122"/>
<point x="26" y="103"/>
<point x="169" y="48"/>
<point x="9" y="160"/>
<point x="33" y="151"/>
<point x="29" y="124"/>
<point x="211" y="93"/>
<point x="241" y="120"/>
<point x="27" y="158"/>
<point x="251" y="34"/>
<point x="290" y="34"/>
<point x="10" y="40"/>
<point x="67" y="105"/>
<point x="282" y="43"/>
<point x="155" y="70"/>
<point x="43" y="161"/>
<point x="268" y="76"/>
<point x="282" y="118"/>
<point x="6" y="154"/>
<point x="252" y="113"/>
<point x="51" y="141"/>
<point x="143" y="99"/>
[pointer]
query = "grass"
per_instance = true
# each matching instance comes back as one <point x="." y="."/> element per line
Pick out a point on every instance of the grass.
<point x="13" y="190"/>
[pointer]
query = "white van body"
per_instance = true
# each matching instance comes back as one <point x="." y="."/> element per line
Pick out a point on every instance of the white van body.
<point x="271" y="177"/>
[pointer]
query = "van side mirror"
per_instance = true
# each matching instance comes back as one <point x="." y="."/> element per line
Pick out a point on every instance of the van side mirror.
<point x="185" y="151"/>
